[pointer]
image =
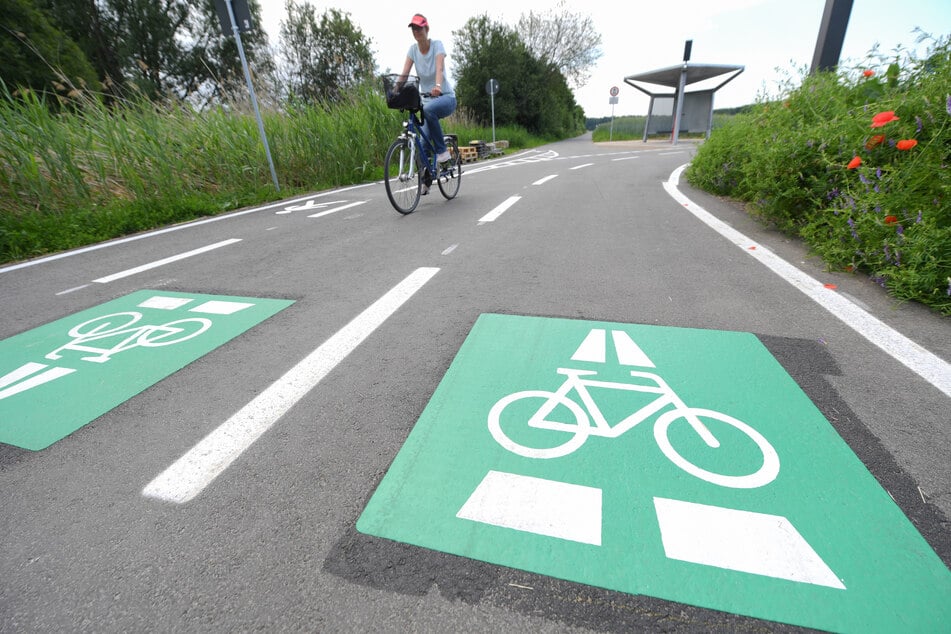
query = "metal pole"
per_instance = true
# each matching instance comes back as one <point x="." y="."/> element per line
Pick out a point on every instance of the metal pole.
<point x="611" y="134"/>
<point x="678" y="103"/>
<point x="254" y="99"/>
<point x="492" y="100"/>
<point x="835" y="20"/>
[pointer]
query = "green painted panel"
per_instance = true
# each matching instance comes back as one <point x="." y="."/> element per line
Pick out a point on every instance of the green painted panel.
<point x="677" y="463"/>
<point x="56" y="378"/>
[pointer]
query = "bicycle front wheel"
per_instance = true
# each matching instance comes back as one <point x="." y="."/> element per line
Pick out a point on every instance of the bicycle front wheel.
<point x="450" y="174"/>
<point x="747" y="437"/>
<point x="403" y="187"/>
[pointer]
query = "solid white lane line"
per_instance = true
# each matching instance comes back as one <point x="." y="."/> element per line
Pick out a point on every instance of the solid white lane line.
<point x="925" y="364"/>
<point x="542" y="181"/>
<point x="158" y="263"/>
<point x="578" y="167"/>
<point x="191" y="473"/>
<point x="498" y="211"/>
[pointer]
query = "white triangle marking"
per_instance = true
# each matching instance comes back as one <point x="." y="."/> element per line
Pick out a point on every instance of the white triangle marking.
<point x="592" y="348"/>
<point x="628" y="352"/>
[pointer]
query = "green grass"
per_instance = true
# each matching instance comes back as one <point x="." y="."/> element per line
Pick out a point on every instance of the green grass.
<point x="888" y="218"/>
<point x="90" y="173"/>
<point x="631" y="128"/>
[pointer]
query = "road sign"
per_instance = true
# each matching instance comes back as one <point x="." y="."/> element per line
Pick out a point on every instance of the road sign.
<point x="492" y="86"/>
<point x="614" y="91"/>
<point x="677" y="463"/>
<point x="57" y="378"/>
<point x="242" y="16"/>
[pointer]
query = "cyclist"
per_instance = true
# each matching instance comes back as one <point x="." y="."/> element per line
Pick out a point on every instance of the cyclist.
<point x="429" y="57"/>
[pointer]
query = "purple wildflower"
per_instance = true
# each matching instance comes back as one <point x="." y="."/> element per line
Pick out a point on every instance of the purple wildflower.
<point x="918" y="122"/>
<point x="949" y="112"/>
<point x="918" y="220"/>
<point x="900" y="230"/>
<point x="864" y="180"/>
<point x="878" y="173"/>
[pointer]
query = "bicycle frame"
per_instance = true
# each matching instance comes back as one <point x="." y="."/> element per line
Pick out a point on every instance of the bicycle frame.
<point x="413" y="129"/>
<point x="601" y="427"/>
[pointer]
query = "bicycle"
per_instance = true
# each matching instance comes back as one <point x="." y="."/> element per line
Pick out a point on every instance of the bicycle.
<point x="118" y="327"/>
<point x="410" y="163"/>
<point x="579" y="431"/>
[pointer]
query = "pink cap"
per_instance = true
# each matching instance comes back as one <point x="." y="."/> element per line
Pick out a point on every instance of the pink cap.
<point x="418" y="20"/>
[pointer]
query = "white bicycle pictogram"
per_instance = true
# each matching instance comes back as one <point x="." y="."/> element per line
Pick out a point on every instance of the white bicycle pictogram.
<point x="579" y="431"/>
<point x="119" y="328"/>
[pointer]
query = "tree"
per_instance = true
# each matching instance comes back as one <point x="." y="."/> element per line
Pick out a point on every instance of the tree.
<point x="326" y="57"/>
<point x="165" y="48"/>
<point x="484" y="50"/>
<point x="37" y="55"/>
<point x="211" y="70"/>
<point x="94" y="30"/>
<point x="533" y="94"/>
<point x="567" y="41"/>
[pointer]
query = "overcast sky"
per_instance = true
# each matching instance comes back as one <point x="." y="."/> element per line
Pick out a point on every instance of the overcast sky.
<point x="772" y="39"/>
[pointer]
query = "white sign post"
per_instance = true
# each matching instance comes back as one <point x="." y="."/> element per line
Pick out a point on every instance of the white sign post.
<point x="612" y="101"/>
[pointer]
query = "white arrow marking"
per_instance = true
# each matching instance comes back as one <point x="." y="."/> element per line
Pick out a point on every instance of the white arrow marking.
<point x="594" y="349"/>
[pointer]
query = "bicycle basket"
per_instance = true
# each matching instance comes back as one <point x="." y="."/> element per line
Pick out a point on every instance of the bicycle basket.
<point x="402" y="94"/>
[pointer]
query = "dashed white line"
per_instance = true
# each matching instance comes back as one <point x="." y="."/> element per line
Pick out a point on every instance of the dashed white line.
<point x="578" y="167"/>
<point x="336" y="209"/>
<point x="925" y="364"/>
<point x="191" y="473"/>
<point x="158" y="263"/>
<point x="498" y="211"/>
<point x="542" y="181"/>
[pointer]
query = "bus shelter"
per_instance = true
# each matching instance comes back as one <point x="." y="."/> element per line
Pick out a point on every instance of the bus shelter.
<point x="681" y="110"/>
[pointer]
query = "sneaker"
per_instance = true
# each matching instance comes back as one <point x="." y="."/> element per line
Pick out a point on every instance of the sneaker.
<point x="444" y="157"/>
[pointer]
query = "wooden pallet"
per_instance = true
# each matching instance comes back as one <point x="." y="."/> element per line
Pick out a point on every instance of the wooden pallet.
<point x="468" y="154"/>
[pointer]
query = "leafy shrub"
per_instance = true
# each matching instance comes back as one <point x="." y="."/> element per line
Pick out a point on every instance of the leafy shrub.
<point x="858" y="164"/>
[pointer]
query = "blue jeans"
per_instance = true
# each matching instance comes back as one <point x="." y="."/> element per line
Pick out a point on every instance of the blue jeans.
<point x="434" y="109"/>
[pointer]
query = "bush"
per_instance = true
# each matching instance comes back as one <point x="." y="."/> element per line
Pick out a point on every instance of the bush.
<point x="858" y="164"/>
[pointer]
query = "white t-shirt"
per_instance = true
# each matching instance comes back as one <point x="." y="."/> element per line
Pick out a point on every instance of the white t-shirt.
<point x="426" y="67"/>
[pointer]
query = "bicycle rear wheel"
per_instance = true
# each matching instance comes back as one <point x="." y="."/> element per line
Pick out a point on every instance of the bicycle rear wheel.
<point x="402" y="190"/>
<point x="450" y="174"/>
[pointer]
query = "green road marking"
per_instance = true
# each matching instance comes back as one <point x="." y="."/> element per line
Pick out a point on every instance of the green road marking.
<point x="56" y="378"/>
<point x="588" y="451"/>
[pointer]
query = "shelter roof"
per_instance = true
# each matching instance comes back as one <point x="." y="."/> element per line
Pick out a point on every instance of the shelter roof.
<point x="670" y="76"/>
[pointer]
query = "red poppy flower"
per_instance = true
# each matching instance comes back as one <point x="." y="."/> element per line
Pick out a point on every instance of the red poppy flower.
<point x="855" y="162"/>
<point x="873" y="141"/>
<point x="868" y="73"/>
<point x="890" y="220"/>
<point x="906" y="144"/>
<point x="884" y="117"/>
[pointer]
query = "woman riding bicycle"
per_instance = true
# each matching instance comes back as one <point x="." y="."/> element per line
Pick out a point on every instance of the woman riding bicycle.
<point x="429" y="57"/>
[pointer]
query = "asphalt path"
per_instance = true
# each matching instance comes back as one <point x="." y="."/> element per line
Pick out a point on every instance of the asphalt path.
<point x="269" y="541"/>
